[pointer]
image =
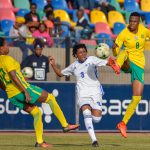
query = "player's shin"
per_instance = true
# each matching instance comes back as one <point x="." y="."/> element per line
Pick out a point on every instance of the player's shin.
<point x="131" y="108"/>
<point x="38" y="125"/>
<point x="56" y="110"/>
<point x="88" y="124"/>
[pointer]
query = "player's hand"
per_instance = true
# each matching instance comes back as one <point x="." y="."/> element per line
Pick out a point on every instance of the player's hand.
<point x="114" y="49"/>
<point x="27" y="96"/>
<point x="51" y="60"/>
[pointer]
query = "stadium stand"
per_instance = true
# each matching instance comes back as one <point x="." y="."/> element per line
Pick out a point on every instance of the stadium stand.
<point x="145" y="5"/>
<point x="113" y="17"/>
<point x="7" y="14"/>
<point x="22" y="4"/>
<point x="118" y="27"/>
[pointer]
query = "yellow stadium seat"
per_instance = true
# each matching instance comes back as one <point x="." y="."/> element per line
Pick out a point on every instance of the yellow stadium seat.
<point x="113" y="17"/>
<point x="63" y="16"/>
<point x="120" y="1"/>
<point x="97" y="16"/>
<point x="145" y="5"/>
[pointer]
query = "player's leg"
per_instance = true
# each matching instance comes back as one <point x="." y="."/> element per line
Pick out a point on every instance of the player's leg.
<point x="19" y="101"/>
<point x="137" y="89"/>
<point x="86" y="110"/>
<point x="51" y="101"/>
<point x="38" y="124"/>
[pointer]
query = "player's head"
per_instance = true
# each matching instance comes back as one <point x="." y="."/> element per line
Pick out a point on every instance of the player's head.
<point x="4" y="50"/>
<point x="38" y="47"/>
<point x="80" y="52"/>
<point x="134" y="21"/>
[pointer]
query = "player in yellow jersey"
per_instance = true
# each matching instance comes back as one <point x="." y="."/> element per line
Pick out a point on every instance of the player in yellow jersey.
<point x="132" y="60"/>
<point x="24" y="95"/>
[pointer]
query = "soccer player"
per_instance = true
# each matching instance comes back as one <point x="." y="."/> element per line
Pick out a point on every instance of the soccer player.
<point x="132" y="60"/>
<point x="88" y="88"/>
<point x="24" y="95"/>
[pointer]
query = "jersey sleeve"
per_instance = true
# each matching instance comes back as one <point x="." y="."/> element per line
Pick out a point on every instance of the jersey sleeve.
<point x="120" y="39"/>
<point x="99" y="62"/>
<point x="68" y="71"/>
<point x="147" y="32"/>
<point x="10" y="64"/>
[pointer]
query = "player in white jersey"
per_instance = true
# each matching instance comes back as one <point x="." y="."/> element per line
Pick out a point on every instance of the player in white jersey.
<point x="88" y="88"/>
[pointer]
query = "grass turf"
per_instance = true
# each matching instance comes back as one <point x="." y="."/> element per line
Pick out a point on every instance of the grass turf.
<point x="75" y="141"/>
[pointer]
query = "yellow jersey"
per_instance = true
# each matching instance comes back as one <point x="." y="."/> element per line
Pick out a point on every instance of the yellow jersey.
<point x="134" y="44"/>
<point x="7" y="64"/>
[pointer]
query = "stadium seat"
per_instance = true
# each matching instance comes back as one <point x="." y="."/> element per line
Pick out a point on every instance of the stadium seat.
<point x="97" y="16"/>
<point x="88" y="42"/>
<point x="131" y="5"/>
<point x="7" y="14"/>
<point x="64" y="17"/>
<point x="147" y="18"/>
<point x="118" y="27"/>
<point x="40" y="4"/>
<point x="115" y="16"/>
<point x="8" y="5"/>
<point x="22" y="12"/>
<point x="145" y="5"/>
<point x="22" y="4"/>
<point x="102" y="27"/>
<point x="57" y="4"/>
<point x="117" y="6"/>
<point x="120" y="1"/>
<point x="6" y="25"/>
<point x="104" y="38"/>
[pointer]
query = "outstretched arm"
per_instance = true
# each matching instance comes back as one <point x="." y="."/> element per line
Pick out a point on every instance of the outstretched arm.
<point x="115" y="49"/>
<point x="19" y="84"/>
<point x="55" y="68"/>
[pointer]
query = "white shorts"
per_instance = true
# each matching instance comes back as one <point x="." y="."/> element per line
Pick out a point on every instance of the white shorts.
<point x="95" y="101"/>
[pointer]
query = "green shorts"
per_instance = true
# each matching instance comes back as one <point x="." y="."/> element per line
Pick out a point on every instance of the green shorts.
<point x="137" y="73"/>
<point x="20" y="101"/>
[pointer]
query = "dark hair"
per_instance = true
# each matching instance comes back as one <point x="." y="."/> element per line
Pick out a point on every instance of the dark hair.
<point x="42" y="23"/>
<point x="33" y="4"/>
<point x="49" y="13"/>
<point x="2" y="40"/>
<point x="76" y="47"/>
<point x="38" y="43"/>
<point x="135" y="14"/>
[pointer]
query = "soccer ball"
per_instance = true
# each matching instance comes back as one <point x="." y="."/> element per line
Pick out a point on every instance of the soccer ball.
<point x="102" y="51"/>
<point x="27" y="72"/>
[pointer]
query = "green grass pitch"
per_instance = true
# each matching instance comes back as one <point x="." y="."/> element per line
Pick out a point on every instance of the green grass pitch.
<point x="75" y="141"/>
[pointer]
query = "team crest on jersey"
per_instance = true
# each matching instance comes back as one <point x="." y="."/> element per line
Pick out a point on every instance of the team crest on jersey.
<point x="142" y="36"/>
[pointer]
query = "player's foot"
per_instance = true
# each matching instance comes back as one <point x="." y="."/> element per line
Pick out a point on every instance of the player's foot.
<point x="43" y="145"/>
<point x="71" y="127"/>
<point x="114" y="65"/>
<point x="95" y="144"/>
<point x="123" y="129"/>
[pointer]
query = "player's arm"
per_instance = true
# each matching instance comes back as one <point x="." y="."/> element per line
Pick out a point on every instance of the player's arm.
<point x="54" y="66"/>
<point x="19" y="84"/>
<point x="118" y="43"/>
<point x="2" y="86"/>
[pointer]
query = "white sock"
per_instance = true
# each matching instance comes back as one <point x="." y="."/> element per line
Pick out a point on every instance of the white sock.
<point x="89" y="124"/>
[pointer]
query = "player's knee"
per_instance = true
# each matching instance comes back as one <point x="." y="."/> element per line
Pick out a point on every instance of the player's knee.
<point x="50" y="97"/>
<point x="96" y="119"/>
<point x="87" y="113"/>
<point x="36" y="113"/>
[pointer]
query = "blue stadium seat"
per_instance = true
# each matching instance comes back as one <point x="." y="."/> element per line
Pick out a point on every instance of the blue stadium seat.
<point x="61" y="4"/>
<point x="147" y="18"/>
<point x="6" y="25"/>
<point x="40" y="4"/>
<point x="131" y="5"/>
<point x="118" y="27"/>
<point x="22" y="12"/>
<point x="104" y="38"/>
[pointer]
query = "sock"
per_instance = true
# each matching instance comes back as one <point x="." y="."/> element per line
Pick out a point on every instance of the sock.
<point x="88" y="124"/>
<point x="38" y="125"/>
<point x="56" y="110"/>
<point x="131" y="108"/>
<point x="121" y="58"/>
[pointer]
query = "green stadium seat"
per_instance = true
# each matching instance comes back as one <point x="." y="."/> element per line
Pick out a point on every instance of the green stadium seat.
<point x="22" y="4"/>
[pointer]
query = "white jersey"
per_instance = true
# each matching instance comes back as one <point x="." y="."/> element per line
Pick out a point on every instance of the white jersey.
<point x="86" y="75"/>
